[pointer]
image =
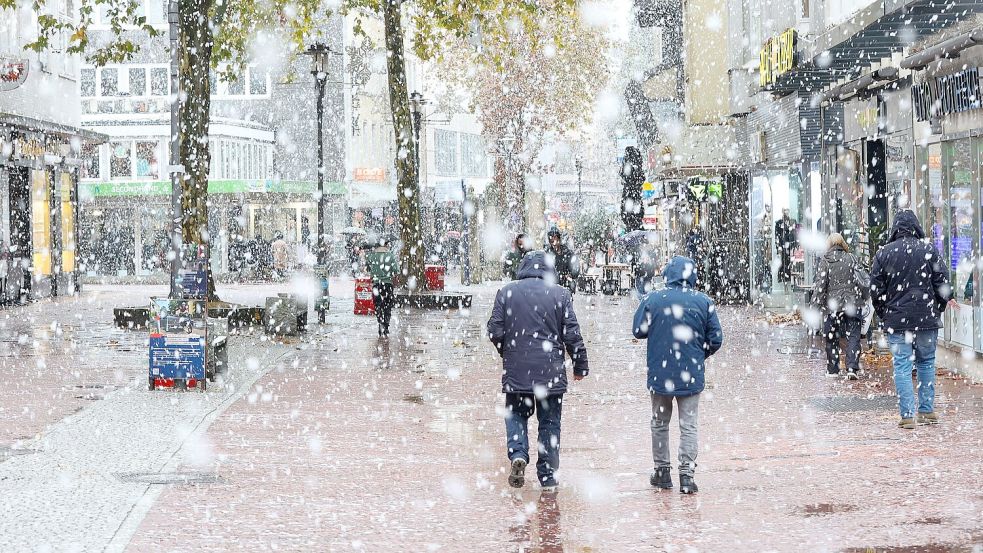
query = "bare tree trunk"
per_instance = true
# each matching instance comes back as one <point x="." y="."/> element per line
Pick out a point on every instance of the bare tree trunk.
<point x="407" y="171"/>
<point x="195" y="60"/>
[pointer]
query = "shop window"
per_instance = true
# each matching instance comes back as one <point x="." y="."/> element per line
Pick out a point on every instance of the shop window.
<point x="147" y="164"/>
<point x="159" y="81"/>
<point x="138" y="81"/>
<point x="120" y="161"/>
<point x="40" y="223"/>
<point x="258" y="81"/>
<point x="109" y="81"/>
<point x="67" y="225"/>
<point x="90" y="168"/>
<point x="87" y="82"/>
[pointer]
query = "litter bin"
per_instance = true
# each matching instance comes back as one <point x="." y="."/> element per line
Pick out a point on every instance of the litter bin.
<point x="364" y="305"/>
<point x="434" y="276"/>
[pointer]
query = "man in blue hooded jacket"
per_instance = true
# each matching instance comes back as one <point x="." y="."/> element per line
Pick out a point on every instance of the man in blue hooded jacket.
<point x="682" y="328"/>
<point x="531" y="324"/>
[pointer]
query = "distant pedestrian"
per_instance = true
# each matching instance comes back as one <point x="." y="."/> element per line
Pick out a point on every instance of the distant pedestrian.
<point x="645" y="270"/>
<point x="682" y="329"/>
<point x="514" y="256"/>
<point x="532" y="323"/>
<point x="840" y="294"/>
<point x="565" y="261"/>
<point x="383" y="267"/>
<point x="910" y="291"/>
<point x="281" y="255"/>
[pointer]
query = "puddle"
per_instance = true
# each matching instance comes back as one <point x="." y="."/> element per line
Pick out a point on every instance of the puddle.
<point x="413" y="398"/>
<point x="823" y="509"/>
<point x="6" y="452"/>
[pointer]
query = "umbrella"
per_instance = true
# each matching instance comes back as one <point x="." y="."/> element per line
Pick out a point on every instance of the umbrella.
<point x="352" y="230"/>
<point x="633" y="239"/>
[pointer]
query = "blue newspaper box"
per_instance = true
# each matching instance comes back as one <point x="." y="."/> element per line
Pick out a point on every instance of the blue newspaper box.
<point x="178" y="335"/>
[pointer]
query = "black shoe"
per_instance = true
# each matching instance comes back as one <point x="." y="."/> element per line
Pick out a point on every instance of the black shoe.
<point x="687" y="484"/>
<point x="517" y="478"/>
<point x="661" y="478"/>
<point x="852" y="374"/>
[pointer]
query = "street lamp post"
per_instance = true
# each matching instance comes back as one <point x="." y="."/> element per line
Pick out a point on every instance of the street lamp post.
<point x="580" y="190"/>
<point x="319" y="56"/>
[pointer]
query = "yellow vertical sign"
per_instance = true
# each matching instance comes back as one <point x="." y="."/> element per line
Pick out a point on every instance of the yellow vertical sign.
<point x="40" y="222"/>
<point x="67" y="225"/>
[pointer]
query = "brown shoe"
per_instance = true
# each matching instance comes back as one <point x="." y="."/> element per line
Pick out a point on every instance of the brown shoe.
<point x="907" y="424"/>
<point x="928" y="418"/>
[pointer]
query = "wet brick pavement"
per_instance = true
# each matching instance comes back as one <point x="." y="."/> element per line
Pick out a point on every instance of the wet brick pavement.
<point x="356" y="443"/>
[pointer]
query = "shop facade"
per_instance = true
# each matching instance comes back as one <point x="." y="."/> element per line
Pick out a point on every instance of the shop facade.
<point x="785" y="194"/>
<point x="948" y="155"/>
<point x="124" y="224"/>
<point x="39" y="173"/>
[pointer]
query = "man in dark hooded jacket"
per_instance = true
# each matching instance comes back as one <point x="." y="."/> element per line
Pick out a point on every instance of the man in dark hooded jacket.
<point x="531" y="324"/>
<point x="910" y="290"/>
<point x="682" y="329"/>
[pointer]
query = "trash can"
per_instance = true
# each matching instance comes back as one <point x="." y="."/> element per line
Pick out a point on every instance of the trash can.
<point x="364" y="305"/>
<point x="434" y="276"/>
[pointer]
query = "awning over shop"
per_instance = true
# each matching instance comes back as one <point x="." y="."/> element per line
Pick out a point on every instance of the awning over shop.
<point x="877" y="32"/>
<point x="47" y="127"/>
<point x="949" y="49"/>
<point x="857" y="87"/>
<point x="163" y="188"/>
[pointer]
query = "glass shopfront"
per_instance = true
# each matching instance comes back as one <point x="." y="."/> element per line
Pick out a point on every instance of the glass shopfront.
<point x="777" y="259"/>
<point x="949" y="177"/>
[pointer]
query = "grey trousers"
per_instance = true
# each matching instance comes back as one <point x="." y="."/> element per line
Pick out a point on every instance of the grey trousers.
<point x="688" y="422"/>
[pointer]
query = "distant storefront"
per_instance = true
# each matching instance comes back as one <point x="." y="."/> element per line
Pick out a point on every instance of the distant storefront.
<point x="124" y="224"/>
<point x="39" y="164"/>
<point x="948" y="180"/>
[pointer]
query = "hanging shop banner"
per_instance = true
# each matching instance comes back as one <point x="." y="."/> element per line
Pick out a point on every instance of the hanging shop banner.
<point x="13" y="73"/>
<point x="947" y="94"/>
<point x="777" y="57"/>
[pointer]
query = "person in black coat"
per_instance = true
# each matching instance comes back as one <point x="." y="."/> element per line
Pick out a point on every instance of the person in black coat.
<point x="532" y="324"/>
<point x="566" y="263"/>
<point x="910" y="290"/>
<point x="786" y="242"/>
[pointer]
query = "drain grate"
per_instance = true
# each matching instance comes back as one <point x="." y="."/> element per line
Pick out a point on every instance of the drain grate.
<point x="170" y="478"/>
<point x="843" y="404"/>
<point x="6" y="452"/>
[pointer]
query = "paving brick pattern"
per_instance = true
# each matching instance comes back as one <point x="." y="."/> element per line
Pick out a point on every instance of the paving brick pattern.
<point x="363" y="444"/>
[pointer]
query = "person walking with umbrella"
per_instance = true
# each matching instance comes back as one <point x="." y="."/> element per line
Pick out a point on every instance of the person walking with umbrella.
<point x="383" y="267"/>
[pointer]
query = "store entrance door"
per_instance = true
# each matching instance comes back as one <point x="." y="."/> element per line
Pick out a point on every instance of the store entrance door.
<point x="877" y="219"/>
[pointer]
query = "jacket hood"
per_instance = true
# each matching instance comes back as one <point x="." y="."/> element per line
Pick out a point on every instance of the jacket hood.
<point x="836" y="252"/>
<point x="535" y="265"/>
<point x="905" y="225"/>
<point x="681" y="271"/>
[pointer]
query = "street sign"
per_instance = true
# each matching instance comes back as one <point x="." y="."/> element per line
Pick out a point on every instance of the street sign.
<point x="13" y="73"/>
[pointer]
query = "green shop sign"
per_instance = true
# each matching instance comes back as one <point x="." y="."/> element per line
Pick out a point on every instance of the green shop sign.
<point x="163" y="188"/>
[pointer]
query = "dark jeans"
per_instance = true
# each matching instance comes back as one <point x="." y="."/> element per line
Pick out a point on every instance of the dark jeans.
<point x="383" y="298"/>
<point x="836" y="326"/>
<point x="548" y="410"/>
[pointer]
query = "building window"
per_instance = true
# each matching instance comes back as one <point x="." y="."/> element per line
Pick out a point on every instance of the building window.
<point x="90" y="168"/>
<point x="236" y="87"/>
<point x="474" y="161"/>
<point x="87" y="82"/>
<point x="445" y="145"/>
<point x="120" y="160"/>
<point x="109" y="81"/>
<point x="258" y="81"/>
<point x="138" y="81"/>
<point x="147" y="163"/>
<point x="159" y="81"/>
